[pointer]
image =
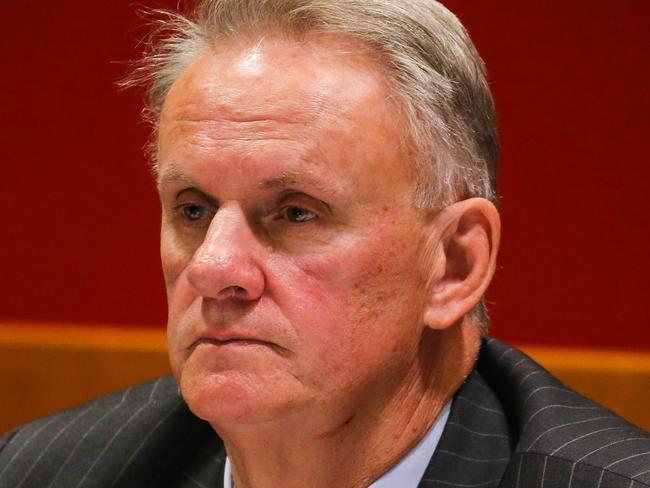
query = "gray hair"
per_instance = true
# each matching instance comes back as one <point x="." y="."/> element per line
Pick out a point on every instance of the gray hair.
<point x="435" y="72"/>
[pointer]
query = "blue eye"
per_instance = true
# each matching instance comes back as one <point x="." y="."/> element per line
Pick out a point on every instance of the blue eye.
<point x="298" y="214"/>
<point x="193" y="212"/>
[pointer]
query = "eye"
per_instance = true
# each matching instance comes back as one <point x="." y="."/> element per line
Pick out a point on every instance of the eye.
<point x="193" y="212"/>
<point x="298" y="214"/>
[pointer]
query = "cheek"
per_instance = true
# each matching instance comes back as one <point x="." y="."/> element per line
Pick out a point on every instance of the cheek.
<point x="385" y="300"/>
<point x="182" y="304"/>
<point x="354" y="304"/>
<point x="174" y="258"/>
<point x="367" y="277"/>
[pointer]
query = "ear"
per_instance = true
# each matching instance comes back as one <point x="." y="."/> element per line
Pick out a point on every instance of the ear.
<point x="466" y="240"/>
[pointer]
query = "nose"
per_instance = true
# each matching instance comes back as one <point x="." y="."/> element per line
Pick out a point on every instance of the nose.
<point x="225" y="265"/>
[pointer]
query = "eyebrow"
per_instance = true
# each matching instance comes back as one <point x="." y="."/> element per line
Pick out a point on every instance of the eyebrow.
<point x="288" y="179"/>
<point x="173" y="174"/>
<point x="285" y="180"/>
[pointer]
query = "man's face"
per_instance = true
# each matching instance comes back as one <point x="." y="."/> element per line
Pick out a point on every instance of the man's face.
<point x="290" y="246"/>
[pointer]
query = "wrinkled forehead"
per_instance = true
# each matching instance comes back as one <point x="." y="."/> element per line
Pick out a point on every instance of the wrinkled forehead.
<point x="305" y="80"/>
<point x="319" y="103"/>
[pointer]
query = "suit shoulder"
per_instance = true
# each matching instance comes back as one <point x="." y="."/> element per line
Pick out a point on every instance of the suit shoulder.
<point x="107" y="433"/>
<point x="560" y="430"/>
<point x="160" y="389"/>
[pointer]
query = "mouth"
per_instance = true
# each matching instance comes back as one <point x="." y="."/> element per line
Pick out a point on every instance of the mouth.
<point x="232" y="341"/>
<point x="235" y="341"/>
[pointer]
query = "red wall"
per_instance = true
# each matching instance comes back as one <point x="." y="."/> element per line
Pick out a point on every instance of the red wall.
<point x="80" y="214"/>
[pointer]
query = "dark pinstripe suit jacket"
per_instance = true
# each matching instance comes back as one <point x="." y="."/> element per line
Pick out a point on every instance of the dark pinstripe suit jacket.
<point x="512" y="425"/>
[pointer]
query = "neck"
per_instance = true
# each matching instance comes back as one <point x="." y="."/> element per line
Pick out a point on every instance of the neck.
<point x="350" y="446"/>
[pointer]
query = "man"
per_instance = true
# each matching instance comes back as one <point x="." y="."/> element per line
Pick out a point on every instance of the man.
<point x="326" y="172"/>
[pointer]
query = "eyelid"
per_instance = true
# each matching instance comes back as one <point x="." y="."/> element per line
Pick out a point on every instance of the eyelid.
<point x="293" y="198"/>
<point x="182" y="205"/>
<point x="178" y="209"/>
<point x="283" y="211"/>
<point x="196" y="195"/>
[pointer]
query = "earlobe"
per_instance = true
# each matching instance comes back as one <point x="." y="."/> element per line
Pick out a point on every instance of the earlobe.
<point x="468" y="241"/>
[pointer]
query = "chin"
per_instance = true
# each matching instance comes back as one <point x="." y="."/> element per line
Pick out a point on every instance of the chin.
<point x="233" y="397"/>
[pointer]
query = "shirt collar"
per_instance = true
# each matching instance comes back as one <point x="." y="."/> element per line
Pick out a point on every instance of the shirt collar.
<point x="408" y="472"/>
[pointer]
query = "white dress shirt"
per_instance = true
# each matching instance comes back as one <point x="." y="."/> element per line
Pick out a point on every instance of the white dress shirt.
<point x="408" y="472"/>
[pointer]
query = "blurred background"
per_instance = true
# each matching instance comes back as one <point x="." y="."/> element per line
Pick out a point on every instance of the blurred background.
<point x="82" y="305"/>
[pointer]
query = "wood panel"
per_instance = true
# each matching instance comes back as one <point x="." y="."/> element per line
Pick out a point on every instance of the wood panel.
<point x="620" y="380"/>
<point x="48" y="367"/>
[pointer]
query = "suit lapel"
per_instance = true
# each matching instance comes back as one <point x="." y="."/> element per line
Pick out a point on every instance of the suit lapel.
<point x="476" y="444"/>
<point x="563" y="438"/>
<point x="197" y="460"/>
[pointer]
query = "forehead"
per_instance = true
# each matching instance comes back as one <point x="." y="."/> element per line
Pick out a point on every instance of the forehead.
<point x="314" y="59"/>
<point x="304" y="80"/>
<point x="287" y="99"/>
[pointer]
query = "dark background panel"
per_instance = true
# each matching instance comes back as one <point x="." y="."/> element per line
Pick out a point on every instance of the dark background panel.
<point x="80" y="213"/>
<point x="570" y="81"/>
